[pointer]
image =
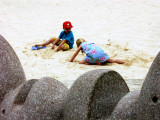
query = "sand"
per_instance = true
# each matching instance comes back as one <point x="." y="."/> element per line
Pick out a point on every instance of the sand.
<point x="125" y="29"/>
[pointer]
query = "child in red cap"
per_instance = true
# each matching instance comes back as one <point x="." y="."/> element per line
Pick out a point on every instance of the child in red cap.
<point x="65" y="40"/>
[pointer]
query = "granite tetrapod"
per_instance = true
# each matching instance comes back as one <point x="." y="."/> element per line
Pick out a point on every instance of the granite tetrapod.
<point x="96" y="95"/>
<point x="11" y="71"/>
<point x="144" y="104"/>
<point x="27" y="100"/>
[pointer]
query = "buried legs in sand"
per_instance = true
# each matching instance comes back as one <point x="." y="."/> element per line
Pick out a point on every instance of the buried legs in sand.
<point x="110" y="60"/>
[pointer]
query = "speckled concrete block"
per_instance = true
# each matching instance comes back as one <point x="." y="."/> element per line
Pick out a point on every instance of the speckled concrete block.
<point x="41" y="99"/>
<point x="35" y="100"/>
<point x="127" y="108"/>
<point x="94" y="95"/>
<point x="143" y="105"/>
<point x="45" y="101"/>
<point x="150" y="93"/>
<point x="11" y="71"/>
<point x="11" y="106"/>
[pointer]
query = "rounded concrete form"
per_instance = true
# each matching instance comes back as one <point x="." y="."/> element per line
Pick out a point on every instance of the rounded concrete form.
<point x="94" y="95"/>
<point x="150" y="93"/>
<point x="127" y="108"/>
<point x="11" y="71"/>
<point x="35" y="100"/>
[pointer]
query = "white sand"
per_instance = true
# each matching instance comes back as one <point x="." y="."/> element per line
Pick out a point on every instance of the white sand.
<point x="125" y="29"/>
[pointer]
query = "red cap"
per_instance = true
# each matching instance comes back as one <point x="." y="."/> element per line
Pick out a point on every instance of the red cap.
<point x="67" y="24"/>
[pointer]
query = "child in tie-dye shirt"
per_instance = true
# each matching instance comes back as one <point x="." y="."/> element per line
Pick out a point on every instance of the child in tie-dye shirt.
<point x="94" y="54"/>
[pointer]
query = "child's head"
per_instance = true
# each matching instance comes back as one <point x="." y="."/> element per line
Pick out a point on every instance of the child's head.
<point x="80" y="41"/>
<point x="67" y="26"/>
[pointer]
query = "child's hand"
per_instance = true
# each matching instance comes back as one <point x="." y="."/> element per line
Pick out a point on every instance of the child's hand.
<point x="53" y="47"/>
<point x="58" y="49"/>
<point x="70" y="60"/>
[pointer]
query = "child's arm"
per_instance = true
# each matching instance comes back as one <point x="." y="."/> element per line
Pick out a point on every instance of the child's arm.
<point x="55" y="42"/>
<point x="76" y="53"/>
<point x="59" y="47"/>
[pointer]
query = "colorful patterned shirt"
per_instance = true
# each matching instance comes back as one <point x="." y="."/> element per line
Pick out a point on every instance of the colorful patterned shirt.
<point x="94" y="54"/>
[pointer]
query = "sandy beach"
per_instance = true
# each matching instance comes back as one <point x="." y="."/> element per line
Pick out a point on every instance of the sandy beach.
<point x="125" y="29"/>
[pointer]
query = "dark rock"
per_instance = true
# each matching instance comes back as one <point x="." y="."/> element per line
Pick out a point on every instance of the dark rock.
<point x="11" y="71"/>
<point x="35" y="100"/>
<point x="94" y="95"/>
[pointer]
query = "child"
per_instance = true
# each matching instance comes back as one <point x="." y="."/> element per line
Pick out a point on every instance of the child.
<point x="94" y="54"/>
<point x="67" y="38"/>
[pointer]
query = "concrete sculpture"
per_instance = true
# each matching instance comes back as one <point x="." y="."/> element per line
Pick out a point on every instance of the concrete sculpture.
<point x="96" y="95"/>
<point x="27" y="100"/>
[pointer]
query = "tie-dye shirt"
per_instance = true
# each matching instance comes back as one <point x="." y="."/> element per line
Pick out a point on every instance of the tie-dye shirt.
<point x="94" y="54"/>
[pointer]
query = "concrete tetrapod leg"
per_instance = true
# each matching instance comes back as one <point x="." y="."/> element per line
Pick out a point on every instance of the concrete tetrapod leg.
<point x="35" y="100"/>
<point x="11" y="106"/>
<point x="11" y="71"/>
<point x="127" y="108"/>
<point x="94" y="95"/>
<point x="150" y="93"/>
